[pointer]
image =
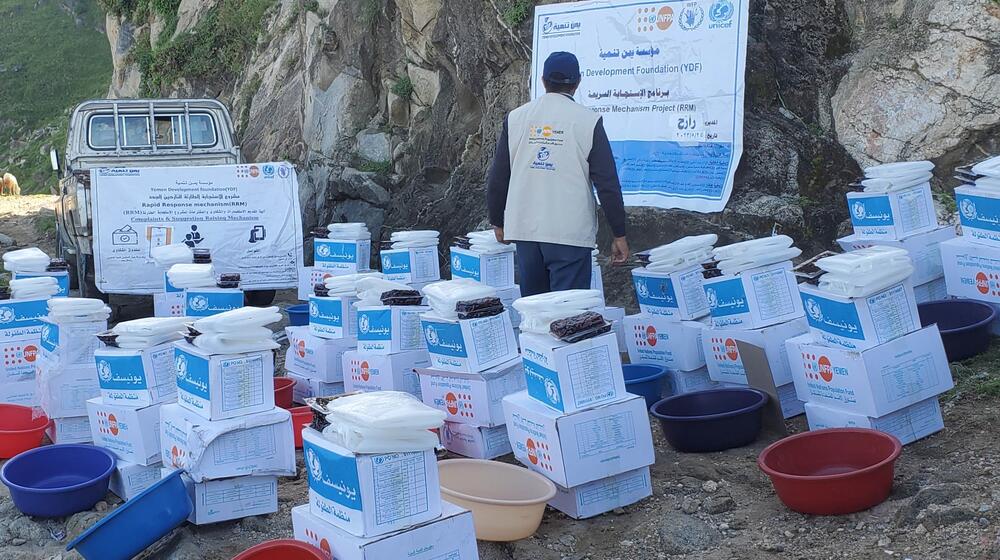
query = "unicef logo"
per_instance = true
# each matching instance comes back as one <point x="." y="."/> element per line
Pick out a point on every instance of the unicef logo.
<point x="268" y="170"/>
<point x="104" y="370"/>
<point x="199" y="303"/>
<point x="386" y="262"/>
<point x="363" y="323"/>
<point x="713" y="299"/>
<point x="858" y="209"/>
<point x="6" y="315"/>
<point x="456" y="263"/>
<point x="323" y="251"/>
<point x="551" y="391"/>
<point x="313" y="309"/>
<point x="691" y="17"/>
<point x="46" y="332"/>
<point x="315" y="468"/>
<point x="814" y="310"/>
<point x="642" y="289"/>
<point x="543" y="154"/>
<point x="432" y="336"/>
<point x="181" y="365"/>
<point x="721" y="11"/>
<point x="969" y="209"/>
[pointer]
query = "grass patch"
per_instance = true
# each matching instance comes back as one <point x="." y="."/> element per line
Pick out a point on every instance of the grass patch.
<point x="45" y="224"/>
<point x="403" y="87"/>
<point x="516" y="12"/>
<point x="380" y="167"/>
<point x="979" y="376"/>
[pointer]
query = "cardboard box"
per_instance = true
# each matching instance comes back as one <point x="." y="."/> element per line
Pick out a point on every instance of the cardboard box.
<point x="873" y="382"/>
<point x="306" y="387"/>
<point x="907" y="424"/>
<point x="220" y="386"/>
<point x="570" y="377"/>
<point x="892" y="215"/>
<point x="507" y="297"/>
<point x="978" y="213"/>
<point x="385" y="329"/>
<point x="470" y="345"/>
<point x="333" y="317"/>
<point x="370" y="494"/>
<point x="756" y="298"/>
<point x="70" y="344"/>
<point x="863" y="322"/>
<point x="18" y="315"/>
<point x="723" y="357"/>
<point x="573" y="449"/>
<point x="315" y="357"/>
<point x="129" y="479"/>
<point x="70" y="430"/>
<point x="616" y="316"/>
<point x="309" y="276"/>
<point x="63" y="391"/>
<point x="132" y="434"/>
<point x="678" y="296"/>
<point x="342" y="256"/>
<point x="494" y="269"/>
<point x="137" y="378"/>
<point x="596" y="279"/>
<point x="924" y="249"/>
<point x="475" y="442"/>
<point x="450" y="537"/>
<point x="680" y="382"/>
<point x="791" y="406"/>
<point x="384" y="372"/>
<point x="169" y="304"/>
<point x="19" y="392"/>
<point x="20" y="357"/>
<point x="417" y="265"/>
<point x="61" y="276"/>
<point x="971" y="270"/>
<point x="654" y="339"/>
<point x="931" y="291"/>
<point x="255" y="444"/>
<point x="204" y="302"/>
<point x="603" y="495"/>
<point x="472" y="398"/>
<point x="232" y="498"/>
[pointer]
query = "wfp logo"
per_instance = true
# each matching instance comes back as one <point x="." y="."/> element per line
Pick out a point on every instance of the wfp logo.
<point x="6" y="315"/>
<point x="181" y="366"/>
<point x="712" y="297"/>
<point x="430" y="333"/>
<point x="323" y="250"/>
<point x="814" y="310"/>
<point x="721" y="14"/>
<point x="363" y="323"/>
<point x="284" y="171"/>
<point x="199" y="303"/>
<point x="313" y="309"/>
<point x="858" y="210"/>
<point x="691" y="16"/>
<point x="551" y="391"/>
<point x="456" y="263"/>
<point x="969" y="209"/>
<point x="315" y="468"/>
<point x="104" y="370"/>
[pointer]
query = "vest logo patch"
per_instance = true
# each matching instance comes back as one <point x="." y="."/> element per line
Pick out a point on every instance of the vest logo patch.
<point x="542" y="160"/>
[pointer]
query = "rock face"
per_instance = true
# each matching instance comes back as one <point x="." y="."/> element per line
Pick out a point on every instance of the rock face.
<point x="390" y="108"/>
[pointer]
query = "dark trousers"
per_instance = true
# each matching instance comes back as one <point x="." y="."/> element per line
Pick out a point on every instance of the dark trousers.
<point x="550" y="267"/>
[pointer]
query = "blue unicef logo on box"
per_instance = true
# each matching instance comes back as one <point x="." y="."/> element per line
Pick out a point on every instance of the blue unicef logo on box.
<point x="968" y="209"/>
<point x="396" y="262"/>
<point x="199" y="303"/>
<point x="104" y="370"/>
<point x="727" y="298"/>
<point x="833" y="317"/>
<point x="465" y="266"/>
<point x="871" y="211"/>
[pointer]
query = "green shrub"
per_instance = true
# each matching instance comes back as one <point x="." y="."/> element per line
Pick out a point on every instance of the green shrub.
<point x="403" y="87"/>
<point x="516" y="12"/>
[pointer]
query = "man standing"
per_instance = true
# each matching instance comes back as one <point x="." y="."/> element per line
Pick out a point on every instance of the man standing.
<point x="551" y="155"/>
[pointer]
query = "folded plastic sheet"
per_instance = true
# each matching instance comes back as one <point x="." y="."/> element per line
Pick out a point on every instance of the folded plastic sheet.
<point x="150" y="326"/>
<point x="369" y="290"/>
<point x="485" y="243"/>
<point x="382" y="422"/>
<point x="76" y="310"/>
<point x="346" y="285"/>
<point x="538" y="312"/>
<point x="349" y="230"/>
<point x="233" y="343"/>
<point x="862" y="261"/>
<point x="444" y="296"/>
<point x="683" y="247"/>
<point x="898" y="169"/>
<point x="190" y="275"/>
<point x="890" y="184"/>
<point x="738" y="264"/>
<point x="166" y="256"/>
<point x="863" y="285"/>
<point x="752" y="247"/>
<point x="237" y="320"/>
<point x="39" y="287"/>
<point x="31" y="259"/>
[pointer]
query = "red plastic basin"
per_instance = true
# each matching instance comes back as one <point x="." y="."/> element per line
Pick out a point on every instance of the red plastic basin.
<point x="282" y="549"/>
<point x="20" y="432"/>
<point x="301" y="417"/>
<point x="283" y="391"/>
<point x="832" y="472"/>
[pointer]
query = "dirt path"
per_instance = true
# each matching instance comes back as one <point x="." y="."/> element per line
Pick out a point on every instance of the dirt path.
<point x="28" y="221"/>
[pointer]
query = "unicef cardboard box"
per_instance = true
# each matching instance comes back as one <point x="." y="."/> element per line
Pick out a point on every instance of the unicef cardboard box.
<point x="723" y="357"/>
<point x="572" y="376"/>
<point x="306" y="388"/>
<point x="417" y="265"/>
<point x="342" y="256"/>
<point x="907" y="424"/>
<point x="255" y="444"/>
<point x="862" y="322"/>
<point x="61" y="276"/>
<point x="583" y="446"/>
<point x="596" y="279"/>
<point x="20" y="339"/>
<point x="169" y="305"/>
<point x="873" y="382"/>
<point x="678" y="296"/>
<point x="472" y="398"/>
<point x="616" y="316"/>
<point x="680" y="382"/>
<point x="333" y="317"/>
<point x="507" y="297"/>
<point x="204" y="302"/>
<point x="492" y="269"/>
<point x="971" y="270"/>
<point x="70" y="344"/>
<point x="129" y="479"/>
<point x="389" y="329"/>
<point x="755" y="298"/>
<point x="370" y="494"/>
<point x="132" y="434"/>
<point x="70" y="430"/>
<point x="470" y="345"/>
<point x="601" y="496"/>
<point x="315" y="357"/>
<point x="137" y="378"/>
<point x="475" y="442"/>
<point x="63" y="391"/>
<point x="384" y="372"/>
<point x="220" y="386"/>
<point x="449" y="537"/>
<point x="20" y="315"/>
<point x="214" y="501"/>
<point x="893" y="215"/>
<point x="654" y="339"/>
<point x="931" y="291"/>
<point x="924" y="250"/>
<point x="979" y="214"/>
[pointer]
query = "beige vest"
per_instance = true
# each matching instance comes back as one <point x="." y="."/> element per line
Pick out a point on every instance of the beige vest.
<point x="551" y="198"/>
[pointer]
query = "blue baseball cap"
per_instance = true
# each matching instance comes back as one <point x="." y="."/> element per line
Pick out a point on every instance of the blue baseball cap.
<point x="561" y="68"/>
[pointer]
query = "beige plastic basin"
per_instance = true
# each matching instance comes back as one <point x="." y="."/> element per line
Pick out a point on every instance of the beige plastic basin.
<point x="506" y="501"/>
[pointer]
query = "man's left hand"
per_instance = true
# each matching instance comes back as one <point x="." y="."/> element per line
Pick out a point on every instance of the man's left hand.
<point x="619" y="251"/>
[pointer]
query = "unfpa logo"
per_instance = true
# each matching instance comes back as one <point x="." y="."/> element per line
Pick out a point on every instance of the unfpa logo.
<point x="300" y="348"/>
<point x="821" y="368"/>
<point x="451" y="403"/>
<point x="532" y="451"/>
<point x="104" y="370"/>
<point x="30" y="353"/>
<point x="181" y="366"/>
<point x="651" y="335"/>
<point x="654" y="19"/>
<point x="315" y="468"/>
<point x="982" y="283"/>
<point x="732" y="352"/>
<point x="364" y="371"/>
<point x="113" y="425"/>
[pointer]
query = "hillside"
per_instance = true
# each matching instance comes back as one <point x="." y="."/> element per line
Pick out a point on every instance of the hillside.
<point x="53" y="55"/>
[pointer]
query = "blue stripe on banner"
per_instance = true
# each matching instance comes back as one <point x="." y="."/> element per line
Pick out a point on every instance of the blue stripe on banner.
<point x="672" y="169"/>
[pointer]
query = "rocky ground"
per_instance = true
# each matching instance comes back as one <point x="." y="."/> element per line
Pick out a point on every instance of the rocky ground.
<point x="715" y="506"/>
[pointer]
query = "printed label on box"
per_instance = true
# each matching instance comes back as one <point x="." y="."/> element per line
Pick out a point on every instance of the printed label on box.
<point x="204" y="303"/>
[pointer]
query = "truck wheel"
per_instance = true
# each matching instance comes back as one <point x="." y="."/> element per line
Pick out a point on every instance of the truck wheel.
<point x="258" y="298"/>
<point x="70" y="258"/>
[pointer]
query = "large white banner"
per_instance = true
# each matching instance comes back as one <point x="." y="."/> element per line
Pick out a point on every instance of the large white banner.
<point x="248" y="215"/>
<point x="667" y="77"/>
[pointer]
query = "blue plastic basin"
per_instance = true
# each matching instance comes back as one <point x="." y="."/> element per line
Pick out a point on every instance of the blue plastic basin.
<point x="298" y="315"/>
<point x="711" y="420"/>
<point x="58" y="480"/>
<point x="138" y="523"/>
<point x="964" y="325"/>
<point x="645" y="380"/>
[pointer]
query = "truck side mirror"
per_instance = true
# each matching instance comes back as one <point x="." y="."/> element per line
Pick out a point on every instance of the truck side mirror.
<point x="54" y="160"/>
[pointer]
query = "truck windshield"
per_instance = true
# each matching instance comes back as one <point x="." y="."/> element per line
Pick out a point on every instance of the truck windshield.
<point x="167" y="131"/>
